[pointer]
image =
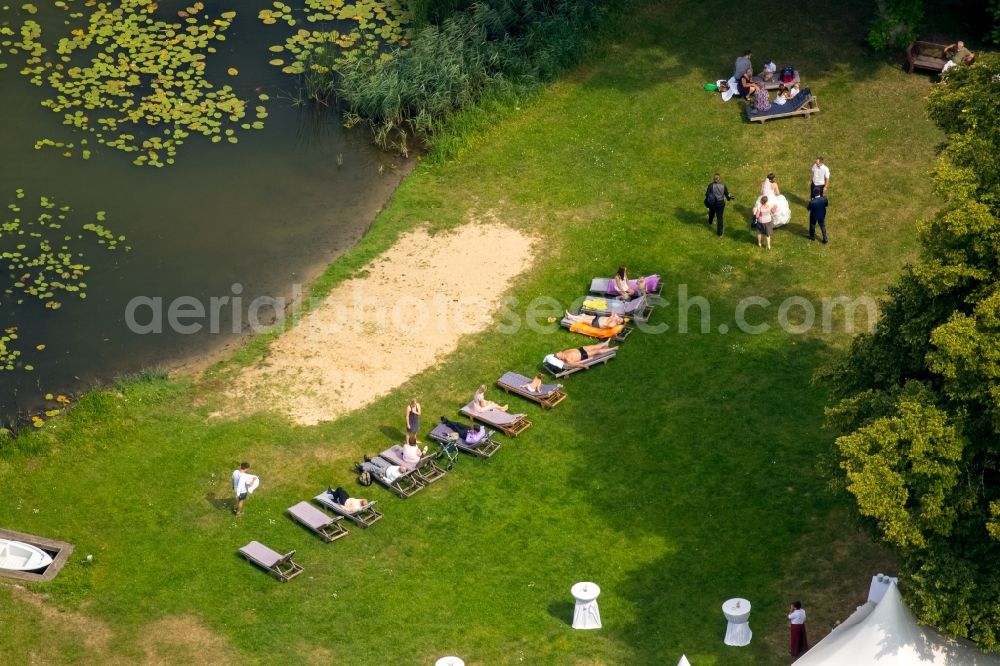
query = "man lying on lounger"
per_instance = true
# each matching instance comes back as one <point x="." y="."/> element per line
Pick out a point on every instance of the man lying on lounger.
<point x="472" y="435"/>
<point x="597" y="321"/>
<point x="382" y="469"/>
<point x="350" y="504"/>
<point x="574" y="357"/>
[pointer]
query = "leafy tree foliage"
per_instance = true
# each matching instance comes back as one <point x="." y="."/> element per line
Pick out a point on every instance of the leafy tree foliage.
<point x="919" y="398"/>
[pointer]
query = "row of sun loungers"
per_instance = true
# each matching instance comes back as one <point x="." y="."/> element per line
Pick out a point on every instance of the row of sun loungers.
<point x="427" y="471"/>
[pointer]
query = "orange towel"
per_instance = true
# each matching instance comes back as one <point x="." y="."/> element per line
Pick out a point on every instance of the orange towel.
<point x="602" y="333"/>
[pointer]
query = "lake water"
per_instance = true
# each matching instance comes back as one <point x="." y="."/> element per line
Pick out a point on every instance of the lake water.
<point x="267" y="213"/>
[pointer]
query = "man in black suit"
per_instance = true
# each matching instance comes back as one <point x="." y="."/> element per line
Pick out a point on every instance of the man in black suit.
<point x="817" y="213"/>
<point x="716" y="197"/>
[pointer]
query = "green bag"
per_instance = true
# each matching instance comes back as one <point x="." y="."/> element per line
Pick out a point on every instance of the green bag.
<point x="711" y="87"/>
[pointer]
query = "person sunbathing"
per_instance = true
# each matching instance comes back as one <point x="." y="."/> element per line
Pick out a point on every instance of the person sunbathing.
<point x="481" y="404"/>
<point x="596" y="321"/>
<point x="350" y="504"/>
<point x="472" y="435"/>
<point x="535" y="385"/>
<point x="381" y="468"/>
<point x="575" y="357"/>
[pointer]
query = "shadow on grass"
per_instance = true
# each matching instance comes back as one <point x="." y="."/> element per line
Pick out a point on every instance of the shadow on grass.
<point x="396" y="435"/>
<point x="218" y="503"/>
<point x="562" y="611"/>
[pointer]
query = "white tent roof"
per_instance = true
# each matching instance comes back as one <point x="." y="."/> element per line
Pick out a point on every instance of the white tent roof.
<point x="887" y="634"/>
<point x="684" y="661"/>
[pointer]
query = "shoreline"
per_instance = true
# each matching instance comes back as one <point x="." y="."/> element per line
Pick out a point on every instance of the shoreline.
<point x="215" y="348"/>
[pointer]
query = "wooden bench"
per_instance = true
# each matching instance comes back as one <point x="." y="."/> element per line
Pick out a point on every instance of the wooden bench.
<point x="926" y="55"/>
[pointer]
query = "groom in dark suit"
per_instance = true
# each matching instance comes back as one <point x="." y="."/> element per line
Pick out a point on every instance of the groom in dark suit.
<point x="817" y="213"/>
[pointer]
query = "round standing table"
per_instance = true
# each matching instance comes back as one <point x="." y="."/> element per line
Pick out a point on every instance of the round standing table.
<point x="586" y="614"/>
<point x="449" y="661"/>
<point x="737" y="612"/>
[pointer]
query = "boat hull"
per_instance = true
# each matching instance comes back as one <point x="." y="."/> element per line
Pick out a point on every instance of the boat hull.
<point x="19" y="556"/>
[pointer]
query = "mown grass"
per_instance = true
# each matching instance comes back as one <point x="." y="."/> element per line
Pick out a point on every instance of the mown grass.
<point x="687" y="471"/>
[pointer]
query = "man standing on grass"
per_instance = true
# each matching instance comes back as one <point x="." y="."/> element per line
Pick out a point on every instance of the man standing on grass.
<point x="817" y="214"/>
<point x="742" y="64"/>
<point x="244" y="483"/>
<point x="716" y="197"/>
<point x="820" y="177"/>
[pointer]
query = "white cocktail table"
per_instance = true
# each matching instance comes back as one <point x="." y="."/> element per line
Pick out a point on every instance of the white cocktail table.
<point x="737" y="611"/>
<point x="586" y="614"/>
<point x="449" y="661"/>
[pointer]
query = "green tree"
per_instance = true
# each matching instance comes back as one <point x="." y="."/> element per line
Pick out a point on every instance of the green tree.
<point x="918" y="399"/>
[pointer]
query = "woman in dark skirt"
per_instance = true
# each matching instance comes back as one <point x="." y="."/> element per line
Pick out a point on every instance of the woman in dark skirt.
<point x="797" y="629"/>
<point x="413" y="417"/>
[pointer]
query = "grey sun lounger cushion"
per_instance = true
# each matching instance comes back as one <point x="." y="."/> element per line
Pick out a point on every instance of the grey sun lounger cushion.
<point x="511" y="424"/>
<point x="280" y="565"/>
<point x="484" y="448"/>
<point x="426" y="470"/>
<point x="363" y="517"/>
<point x="326" y="526"/>
<point x="548" y="396"/>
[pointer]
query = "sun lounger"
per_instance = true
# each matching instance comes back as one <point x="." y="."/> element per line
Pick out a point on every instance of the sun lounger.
<point x="511" y="425"/>
<point x="426" y="470"/>
<point x="270" y="560"/>
<point x="548" y="396"/>
<point x="558" y="369"/>
<point x="606" y="286"/>
<point x="327" y="527"/>
<point x="364" y="517"/>
<point x="407" y="485"/>
<point x="803" y="104"/>
<point x="638" y="308"/>
<point x="616" y="333"/>
<point x="482" y="449"/>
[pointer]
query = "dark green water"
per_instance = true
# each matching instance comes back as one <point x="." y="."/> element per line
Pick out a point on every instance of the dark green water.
<point x="267" y="213"/>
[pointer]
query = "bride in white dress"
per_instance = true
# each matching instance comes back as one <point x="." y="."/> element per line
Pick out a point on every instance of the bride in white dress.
<point x="769" y="188"/>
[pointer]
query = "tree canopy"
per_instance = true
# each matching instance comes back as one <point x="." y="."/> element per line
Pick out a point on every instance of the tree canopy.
<point x="918" y="399"/>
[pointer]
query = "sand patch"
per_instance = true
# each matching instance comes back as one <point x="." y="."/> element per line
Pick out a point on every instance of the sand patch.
<point x="185" y="640"/>
<point x="407" y="309"/>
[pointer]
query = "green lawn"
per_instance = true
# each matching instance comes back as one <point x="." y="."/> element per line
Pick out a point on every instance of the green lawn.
<point x="688" y="470"/>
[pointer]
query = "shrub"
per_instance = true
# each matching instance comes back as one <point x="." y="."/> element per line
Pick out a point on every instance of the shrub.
<point x="499" y="44"/>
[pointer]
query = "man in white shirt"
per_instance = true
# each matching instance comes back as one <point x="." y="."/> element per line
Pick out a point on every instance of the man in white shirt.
<point x="244" y="483"/>
<point x="820" y="180"/>
<point x="797" y="628"/>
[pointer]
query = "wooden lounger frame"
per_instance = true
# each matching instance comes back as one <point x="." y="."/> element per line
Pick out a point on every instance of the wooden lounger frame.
<point x="484" y="449"/>
<point x="407" y="485"/>
<point x="427" y="470"/>
<point x="807" y="108"/>
<point x="332" y="531"/>
<point x="547" y="401"/>
<point x="364" y="517"/>
<point x="512" y="429"/>
<point x="282" y="566"/>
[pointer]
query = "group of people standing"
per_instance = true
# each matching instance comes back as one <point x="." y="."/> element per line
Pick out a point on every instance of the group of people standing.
<point x="771" y="208"/>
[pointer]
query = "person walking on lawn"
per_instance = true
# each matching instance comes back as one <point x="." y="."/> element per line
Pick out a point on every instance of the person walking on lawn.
<point x="716" y="197"/>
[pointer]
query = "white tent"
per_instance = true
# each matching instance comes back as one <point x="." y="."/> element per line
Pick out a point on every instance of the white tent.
<point x="684" y="661"/>
<point x="887" y="634"/>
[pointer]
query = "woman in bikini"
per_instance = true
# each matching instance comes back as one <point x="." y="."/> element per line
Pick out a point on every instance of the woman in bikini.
<point x="597" y="321"/>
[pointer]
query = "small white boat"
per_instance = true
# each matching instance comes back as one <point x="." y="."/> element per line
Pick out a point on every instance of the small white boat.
<point x="22" y="556"/>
